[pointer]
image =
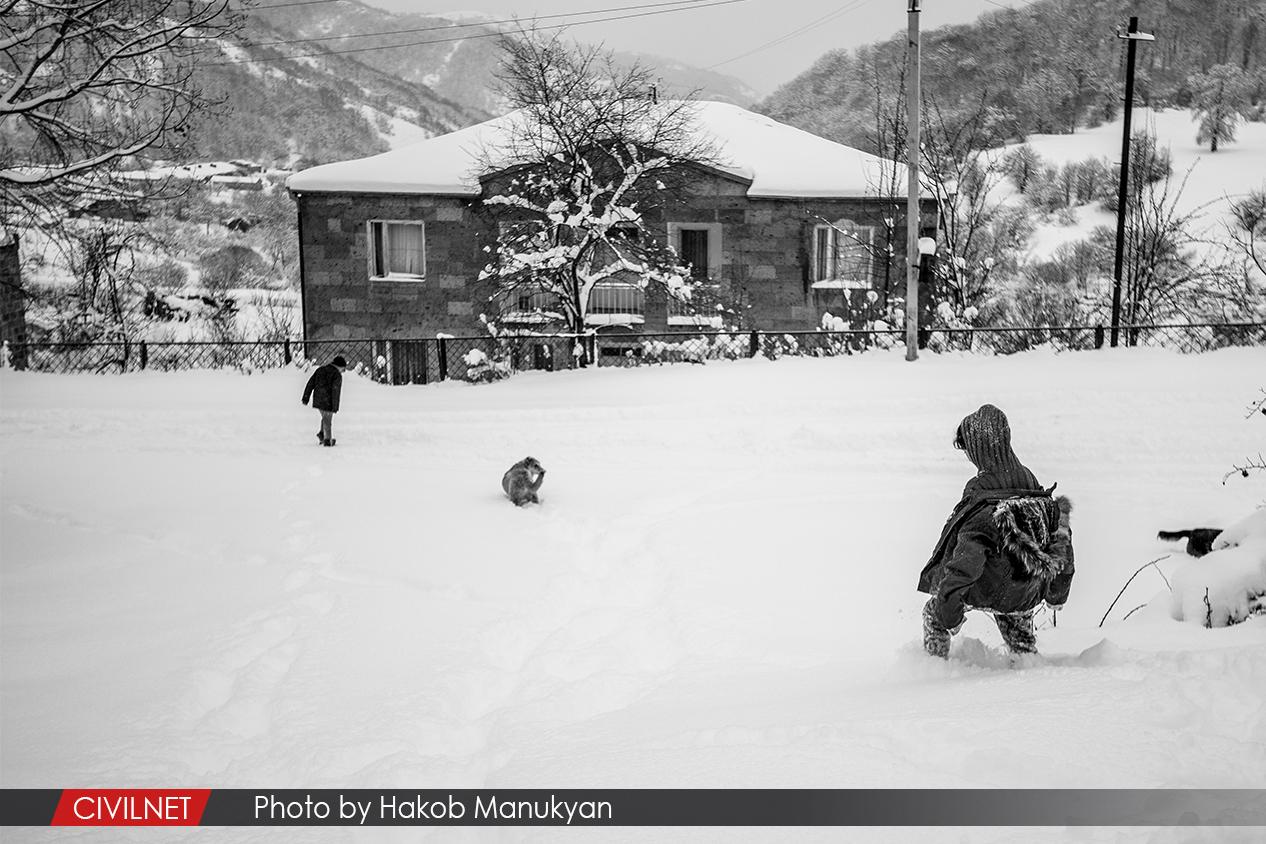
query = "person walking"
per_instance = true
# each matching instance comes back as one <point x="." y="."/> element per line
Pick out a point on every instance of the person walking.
<point x="325" y="388"/>
<point x="1006" y="547"/>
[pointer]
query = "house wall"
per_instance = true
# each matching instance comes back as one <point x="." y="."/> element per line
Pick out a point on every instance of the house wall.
<point x="764" y="260"/>
<point x="765" y="250"/>
<point x="340" y="300"/>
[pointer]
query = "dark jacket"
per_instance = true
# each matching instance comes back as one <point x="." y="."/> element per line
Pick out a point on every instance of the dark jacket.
<point x="324" y="388"/>
<point x="1007" y="545"/>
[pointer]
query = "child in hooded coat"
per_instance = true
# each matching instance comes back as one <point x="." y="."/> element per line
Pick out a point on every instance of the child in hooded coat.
<point x="325" y="388"/>
<point x="1006" y="547"/>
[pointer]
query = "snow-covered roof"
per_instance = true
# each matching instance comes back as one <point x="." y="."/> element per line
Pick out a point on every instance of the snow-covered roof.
<point x="778" y="160"/>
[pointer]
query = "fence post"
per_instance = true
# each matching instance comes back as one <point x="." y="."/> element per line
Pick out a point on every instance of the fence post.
<point x="442" y="353"/>
<point x="144" y="355"/>
<point x="1098" y="336"/>
<point x="285" y="353"/>
<point x="753" y="346"/>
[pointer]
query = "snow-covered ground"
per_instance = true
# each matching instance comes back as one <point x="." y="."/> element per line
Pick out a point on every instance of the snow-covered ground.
<point x="716" y="591"/>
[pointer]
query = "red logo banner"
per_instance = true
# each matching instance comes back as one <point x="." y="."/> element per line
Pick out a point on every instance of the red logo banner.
<point x="131" y="807"/>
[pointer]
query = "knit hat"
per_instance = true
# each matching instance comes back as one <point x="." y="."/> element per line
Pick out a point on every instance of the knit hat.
<point x="339" y="361"/>
<point x="986" y="437"/>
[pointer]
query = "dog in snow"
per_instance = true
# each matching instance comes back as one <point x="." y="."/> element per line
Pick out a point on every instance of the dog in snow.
<point x="522" y="480"/>
<point x="1199" y="540"/>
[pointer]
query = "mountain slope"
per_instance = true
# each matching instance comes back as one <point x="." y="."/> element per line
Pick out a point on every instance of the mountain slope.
<point x="323" y="107"/>
<point x="459" y="64"/>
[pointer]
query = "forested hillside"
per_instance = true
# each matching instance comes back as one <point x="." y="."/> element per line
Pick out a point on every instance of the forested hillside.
<point x="1044" y="68"/>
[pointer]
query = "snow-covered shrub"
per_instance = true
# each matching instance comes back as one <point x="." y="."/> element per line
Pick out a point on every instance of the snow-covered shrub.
<point x="883" y="337"/>
<point x="1227" y="585"/>
<point x="830" y="322"/>
<point x="688" y="351"/>
<point x="482" y="369"/>
<point x="727" y="346"/>
<point x="777" y="346"/>
<point x="949" y="316"/>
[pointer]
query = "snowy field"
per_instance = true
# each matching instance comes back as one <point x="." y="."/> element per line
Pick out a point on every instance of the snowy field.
<point x="716" y="591"/>
<point x="1209" y="181"/>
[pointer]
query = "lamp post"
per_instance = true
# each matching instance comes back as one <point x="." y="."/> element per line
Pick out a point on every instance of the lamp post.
<point x="927" y="256"/>
<point x="912" y="166"/>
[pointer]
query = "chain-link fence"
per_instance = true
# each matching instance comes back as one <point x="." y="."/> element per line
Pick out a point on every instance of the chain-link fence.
<point x="423" y="361"/>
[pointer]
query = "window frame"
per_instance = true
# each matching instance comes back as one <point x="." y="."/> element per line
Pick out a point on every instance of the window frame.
<point x="373" y="250"/>
<point x="715" y="235"/>
<point x="829" y="276"/>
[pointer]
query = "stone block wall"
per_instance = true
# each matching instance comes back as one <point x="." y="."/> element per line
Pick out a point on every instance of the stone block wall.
<point x="341" y="302"/>
<point x="765" y="246"/>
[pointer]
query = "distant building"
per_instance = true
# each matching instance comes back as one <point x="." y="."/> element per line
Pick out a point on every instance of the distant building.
<point x="128" y="209"/>
<point x="790" y="225"/>
<point x="249" y="183"/>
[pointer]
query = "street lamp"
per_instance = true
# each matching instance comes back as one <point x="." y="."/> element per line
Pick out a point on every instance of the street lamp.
<point x="927" y="254"/>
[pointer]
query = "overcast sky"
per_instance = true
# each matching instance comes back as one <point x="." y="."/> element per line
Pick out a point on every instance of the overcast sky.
<point x="718" y="36"/>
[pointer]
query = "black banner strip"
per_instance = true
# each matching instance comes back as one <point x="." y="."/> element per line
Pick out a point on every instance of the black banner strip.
<point x="702" y="807"/>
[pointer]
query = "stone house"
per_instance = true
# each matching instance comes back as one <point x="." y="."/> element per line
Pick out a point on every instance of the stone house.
<point x="787" y="227"/>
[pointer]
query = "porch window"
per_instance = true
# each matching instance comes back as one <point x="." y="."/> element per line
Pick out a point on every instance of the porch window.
<point x="616" y="303"/>
<point x="529" y="307"/>
<point x="397" y="250"/>
<point x="843" y="255"/>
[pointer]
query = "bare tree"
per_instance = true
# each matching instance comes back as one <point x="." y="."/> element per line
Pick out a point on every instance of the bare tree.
<point x="103" y="257"/>
<point x="980" y="235"/>
<point x="1220" y="96"/>
<point x="1171" y="270"/>
<point x="589" y="151"/>
<point x="889" y="142"/>
<point x="1248" y="229"/>
<point x="1251" y="464"/>
<point x="87" y="84"/>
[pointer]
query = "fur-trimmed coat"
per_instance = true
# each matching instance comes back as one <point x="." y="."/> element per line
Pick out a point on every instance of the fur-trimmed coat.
<point x="1004" y="550"/>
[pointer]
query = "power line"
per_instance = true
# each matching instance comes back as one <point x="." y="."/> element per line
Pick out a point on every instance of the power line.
<point x="450" y="26"/>
<point x="698" y="5"/>
<point x="830" y="16"/>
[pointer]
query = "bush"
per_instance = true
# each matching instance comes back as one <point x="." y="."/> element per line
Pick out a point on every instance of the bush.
<point x="231" y="267"/>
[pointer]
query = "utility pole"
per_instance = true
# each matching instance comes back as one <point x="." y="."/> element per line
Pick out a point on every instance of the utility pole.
<point x="912" y="201"/>
<point x="1132" y="37"/>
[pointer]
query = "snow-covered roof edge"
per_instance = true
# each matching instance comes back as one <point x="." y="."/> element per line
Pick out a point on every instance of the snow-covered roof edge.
<point x="776" y="160"/>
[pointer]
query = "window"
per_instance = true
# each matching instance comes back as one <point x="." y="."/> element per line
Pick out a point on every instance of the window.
<point x="616" y="303"/>
<point x="694" y="251"/>
<point x="529" y="307"/>
<point x="843" y="255"/>
<point x="698" y="245"/>
<point x="397" y="250"/>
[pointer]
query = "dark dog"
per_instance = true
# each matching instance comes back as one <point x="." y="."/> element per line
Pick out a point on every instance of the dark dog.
<point x="522" y="480"/>
<point x="1199" y="540"/>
